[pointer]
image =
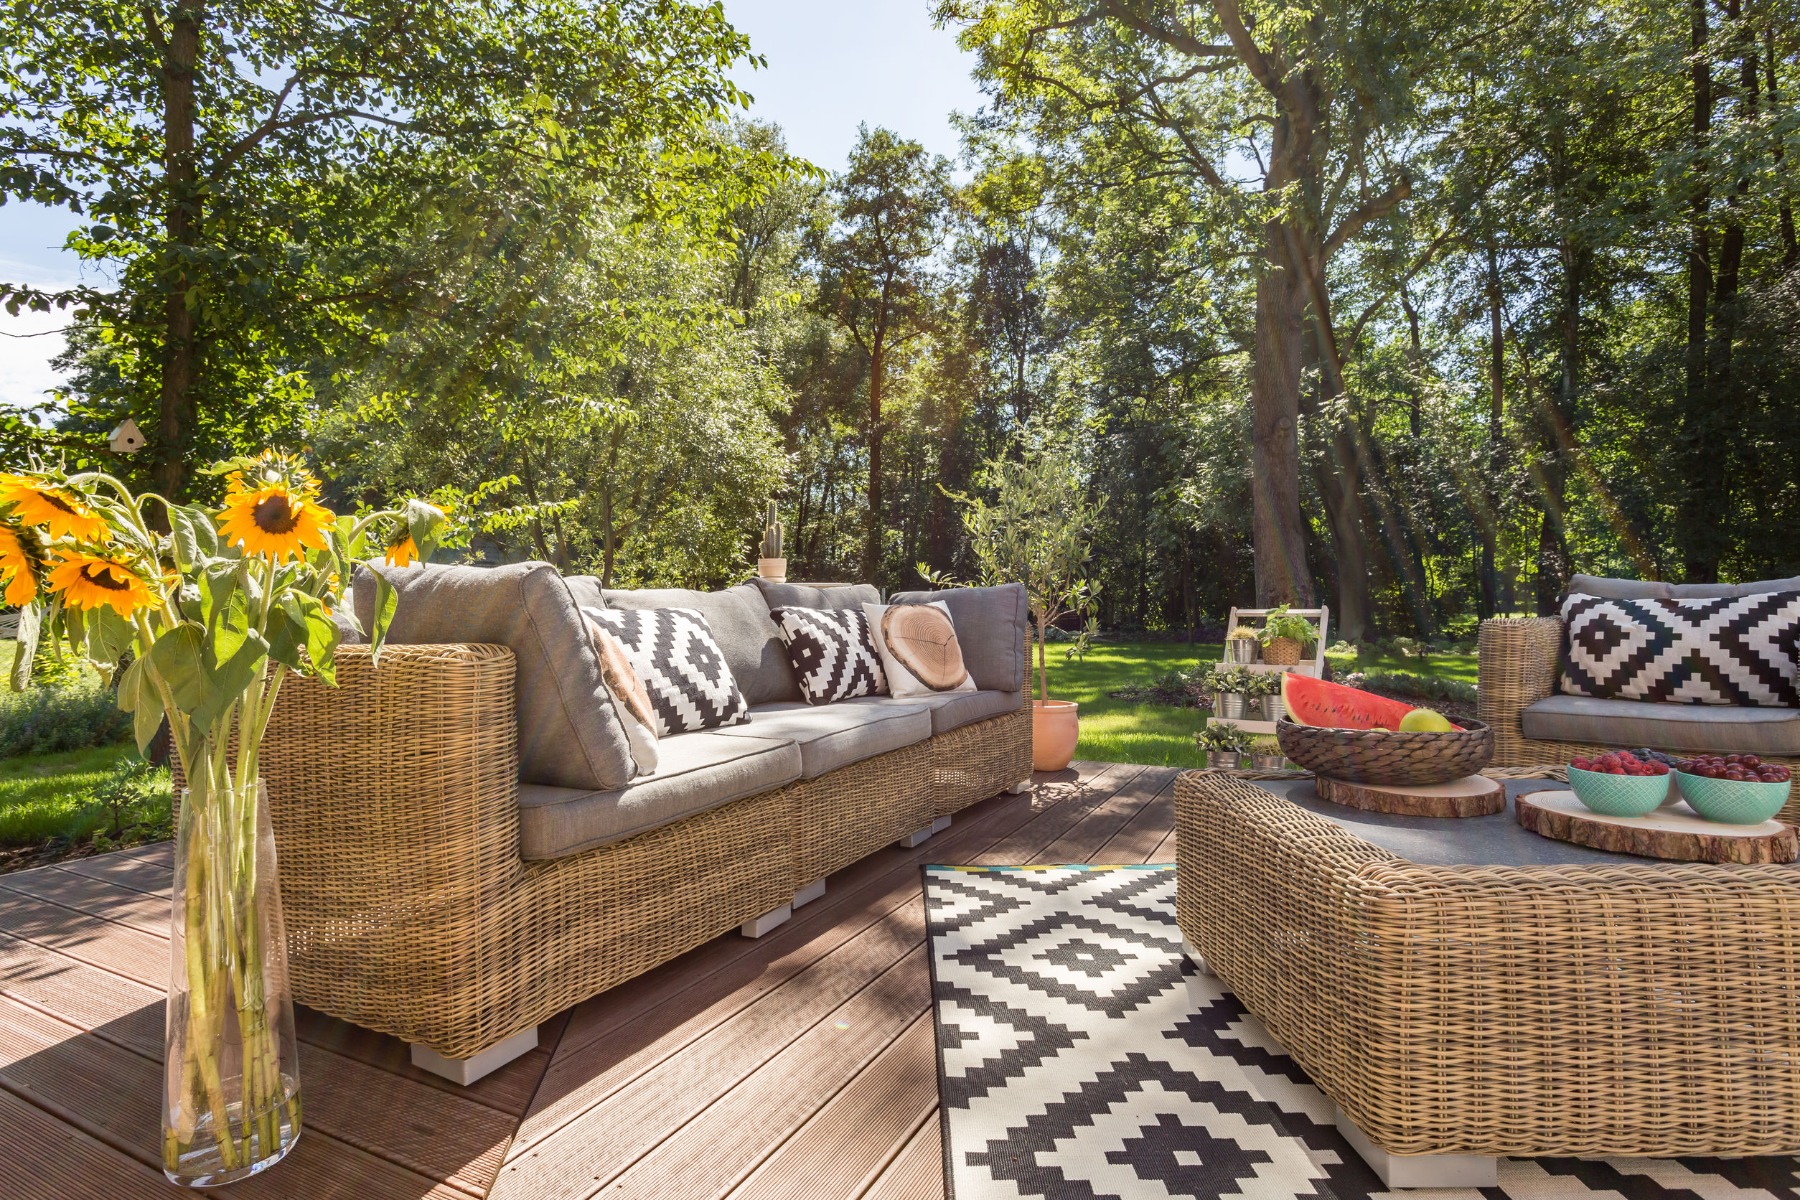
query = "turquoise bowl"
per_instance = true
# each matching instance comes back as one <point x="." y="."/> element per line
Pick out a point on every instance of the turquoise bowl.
<point x="1620" y="795"/>
<point x="1732" y="801"/>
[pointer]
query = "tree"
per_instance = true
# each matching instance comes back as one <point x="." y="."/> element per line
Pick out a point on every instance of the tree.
<point x="242" y="168"/>
<point x="878" y="273"/>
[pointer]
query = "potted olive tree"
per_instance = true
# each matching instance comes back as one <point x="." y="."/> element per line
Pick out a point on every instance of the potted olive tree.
<point x="1031" y="525"/>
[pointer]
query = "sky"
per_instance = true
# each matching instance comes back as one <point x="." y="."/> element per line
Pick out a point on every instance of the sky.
<point x="832" y="65"/>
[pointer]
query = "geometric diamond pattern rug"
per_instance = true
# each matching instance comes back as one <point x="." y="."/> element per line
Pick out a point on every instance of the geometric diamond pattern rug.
<point x="1080" y="1055"/>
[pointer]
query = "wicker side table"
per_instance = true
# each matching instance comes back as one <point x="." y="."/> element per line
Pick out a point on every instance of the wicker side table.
<point x="1458" y="1013"/>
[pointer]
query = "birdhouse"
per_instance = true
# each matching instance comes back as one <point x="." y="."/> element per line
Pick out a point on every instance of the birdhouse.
<point x="126" y="437"/>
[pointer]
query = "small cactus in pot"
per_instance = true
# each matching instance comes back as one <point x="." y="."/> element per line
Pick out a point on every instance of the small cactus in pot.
<point x="772" y="565"/>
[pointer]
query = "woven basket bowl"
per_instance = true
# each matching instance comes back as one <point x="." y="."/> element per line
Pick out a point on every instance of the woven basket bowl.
<point x="1385" y="757"/>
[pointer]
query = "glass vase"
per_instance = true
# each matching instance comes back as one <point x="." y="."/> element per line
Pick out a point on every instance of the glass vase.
<point x="231" y="1094"/>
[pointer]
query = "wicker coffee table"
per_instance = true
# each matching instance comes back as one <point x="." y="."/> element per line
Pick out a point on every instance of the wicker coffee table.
<point x="1464" y="990"/>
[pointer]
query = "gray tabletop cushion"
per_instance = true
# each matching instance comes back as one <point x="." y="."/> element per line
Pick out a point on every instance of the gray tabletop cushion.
<point x="835" y="735"/>
<point x="569" y="735"/>
<point x="1619" y="589"/>
<point x="1671" y="727"/>
<point x="1710" y="591"/>
<point x="805" y="595"/>
<point x="990" y="627"/>
<point x="950" y="710"/>
<point x="740" y="622"/>
<point x="696" y="772"/>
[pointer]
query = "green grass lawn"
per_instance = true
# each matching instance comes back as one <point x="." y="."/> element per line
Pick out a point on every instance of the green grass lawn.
<point x="46" y="796"/>
<point x="1161" y="735"/>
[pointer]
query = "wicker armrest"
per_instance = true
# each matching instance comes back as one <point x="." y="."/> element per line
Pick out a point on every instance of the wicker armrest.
<point x="394" y="798"/>
<point x="1519" y="659"/>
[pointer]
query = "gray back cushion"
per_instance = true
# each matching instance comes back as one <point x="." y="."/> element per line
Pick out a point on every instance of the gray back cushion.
<point x="745" y="631"/>
<point x="805" y="595"/>
<point x="990" y="626"/>
<point x="1618" y="589"/>
<point x="569" y="735"/>
<point x="1710" y="591"/>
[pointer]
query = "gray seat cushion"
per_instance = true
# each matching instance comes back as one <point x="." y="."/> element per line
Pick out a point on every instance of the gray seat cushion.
<point x="569" y="735"/>
<point x="835" y="735"/>
<point x="1672" y="727"/>
<point x="697" y="771"/>
<point x="740" y="621"/>
<point x="950" y="710"/>
<point x="1654" y="589"/>
<point x="805" y="595"/>
<point x="990" y="626"/>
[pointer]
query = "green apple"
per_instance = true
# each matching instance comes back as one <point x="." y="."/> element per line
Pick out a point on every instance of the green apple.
<point x="1425" y="720"/>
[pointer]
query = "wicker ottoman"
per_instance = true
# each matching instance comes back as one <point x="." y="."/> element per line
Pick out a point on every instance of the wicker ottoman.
<point x="1456" y="1011"/>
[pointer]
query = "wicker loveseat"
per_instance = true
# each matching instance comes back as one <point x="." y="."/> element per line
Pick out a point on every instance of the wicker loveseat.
<point x="1517" y="695"/>
<point x="420" y="902"/>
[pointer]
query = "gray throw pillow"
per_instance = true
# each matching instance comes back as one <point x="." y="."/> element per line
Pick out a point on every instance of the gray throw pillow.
<point x="827" y="599"/>
<point x="1618" y="589"/>
<point x="990" y="625"/>
<point x="569" y="735"/>
<point x="1714" y="591"/>
<point x="740" y="622"/>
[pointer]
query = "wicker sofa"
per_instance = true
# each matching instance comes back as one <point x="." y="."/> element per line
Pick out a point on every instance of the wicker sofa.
<point x="425" y="899"/>
<point x="1517" y="695"/>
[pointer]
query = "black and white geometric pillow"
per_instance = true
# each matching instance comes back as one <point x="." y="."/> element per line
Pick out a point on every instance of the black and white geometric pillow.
<point x="832" y="653"/>
<point x="681" y="665"/>
<point x="1738" y="650"/>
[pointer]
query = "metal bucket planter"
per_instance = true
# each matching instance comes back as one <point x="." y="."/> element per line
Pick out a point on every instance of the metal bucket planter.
<point x="1267" y="762"/>
<point x="1241" y="650"/>
<point x="1223" y="760"/>
<point x="1231" y="706"/>
<point x="1274" y="707"/>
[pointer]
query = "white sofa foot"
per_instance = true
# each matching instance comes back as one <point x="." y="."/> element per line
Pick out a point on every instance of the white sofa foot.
<point x="809" y="893"/>
<point x="757" y="926"/>
<point x="467" y="1070"/>
<point x="1421" y="1170"/>
<point x="1193" y="956"/>
<point x="938" y="826"/>
<point x="917" y="837"/>
<point x="1024" y="785"/>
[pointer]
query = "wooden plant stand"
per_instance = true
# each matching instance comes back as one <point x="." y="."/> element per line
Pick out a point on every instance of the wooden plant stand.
<point x="1674" y="832"/>
<point x="1470" y="796"/>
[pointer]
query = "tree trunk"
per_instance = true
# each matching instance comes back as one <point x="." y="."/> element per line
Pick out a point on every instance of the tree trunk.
<point x="1790" y="244"/>
<point x="1278" y="533"/>
<point x="1700" y="507"/>
<point x="1557" y="419"/>
<point x="872" y="537"/>
<point x="1489" y="523"/>
<point x="175" y="418"/>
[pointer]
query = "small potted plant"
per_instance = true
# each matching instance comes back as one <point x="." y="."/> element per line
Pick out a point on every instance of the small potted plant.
<point x="1224" y="744"/>
<point x="1242" y="644"/>
<point x="1228" y="686"/>
<point x="772" y="565"/>
<point x="1265" y="754"/>
<point x="1265" y="687"/>
<point x="1286" y="637"/>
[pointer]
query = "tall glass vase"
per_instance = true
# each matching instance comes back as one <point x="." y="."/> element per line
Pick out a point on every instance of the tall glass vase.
<point x="231" y="1094"/>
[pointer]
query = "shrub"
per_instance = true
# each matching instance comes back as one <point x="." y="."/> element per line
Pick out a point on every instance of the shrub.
<point x="1422" y="687"/>
<point x="133" y="804"/>
<point x="52" y="719"/>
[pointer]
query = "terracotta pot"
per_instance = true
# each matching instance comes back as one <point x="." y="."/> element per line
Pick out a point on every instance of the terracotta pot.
<point x="1054" y="731"/>
<point x="772" y="569"/>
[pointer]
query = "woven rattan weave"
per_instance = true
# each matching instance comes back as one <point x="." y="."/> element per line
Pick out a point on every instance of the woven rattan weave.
<point x="1630" y="1009"/>
<point x="1519" y="660"/>
<point x="1397" y="758"/>
<point x="395" y="803"/>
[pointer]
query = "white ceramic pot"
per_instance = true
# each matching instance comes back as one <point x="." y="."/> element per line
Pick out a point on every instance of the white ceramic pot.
<point x="772" y="569"/>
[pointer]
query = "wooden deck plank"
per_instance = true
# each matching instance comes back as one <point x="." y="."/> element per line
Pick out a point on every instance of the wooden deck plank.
<point x="1144" y="833"/>
<point x="917" y="1172"/>
<point x="152" y="871"/>
<point x="856" y="1134"/>
<point x="94" y="897"/>
<point x="1082" y="841"/>
<point x="49" y="1159"/>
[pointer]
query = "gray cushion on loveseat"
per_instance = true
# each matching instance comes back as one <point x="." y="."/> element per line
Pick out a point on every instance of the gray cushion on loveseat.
<point x="835" y="735"/>
<point x="1683" y="727"/>
<point x="1756" y="587"/>
<point x="805" y="595"/>
<point x="990" y="627"/>
<point x="569" y="735"/>
<point x="697" y="772"/>
<point x="1618" y="589"/>
<point x="949" y="710"/>
<point x="740" y="621"/>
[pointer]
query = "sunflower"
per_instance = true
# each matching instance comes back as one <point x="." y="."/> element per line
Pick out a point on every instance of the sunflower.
<point x="276" y="519"/>
<point x="91" y="581"/>
<point x="402" y="553"/>
<point x="59" y="510"/>
<point x="18" y="568"/>
<point x="270" y="468"/>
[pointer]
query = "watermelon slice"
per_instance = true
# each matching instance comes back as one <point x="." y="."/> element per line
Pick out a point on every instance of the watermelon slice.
<point x="1315" y="702"/>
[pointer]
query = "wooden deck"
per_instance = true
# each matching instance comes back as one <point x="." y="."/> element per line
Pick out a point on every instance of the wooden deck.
<point x="800" y="1065"/>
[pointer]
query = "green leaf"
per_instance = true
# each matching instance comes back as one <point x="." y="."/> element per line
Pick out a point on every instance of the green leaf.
<point x="287" y="635"/>
<point x="108" y="635"/>
<point x="228" y="680"/>
<point x="192" y="535"/>
<point x="178" y="659"/>
<point x="30" y="624"/>
<point x="139" y="697"/>
<point x="424" y="522"/>
<point x="386" y="600"/>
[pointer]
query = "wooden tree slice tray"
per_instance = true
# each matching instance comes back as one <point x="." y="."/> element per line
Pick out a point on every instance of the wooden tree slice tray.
<point x="1470" y="796"/>
<point x="1674" y="832"/>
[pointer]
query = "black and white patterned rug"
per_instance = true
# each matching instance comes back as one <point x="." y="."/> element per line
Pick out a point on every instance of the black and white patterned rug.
<point x="1080" y="1055"/>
